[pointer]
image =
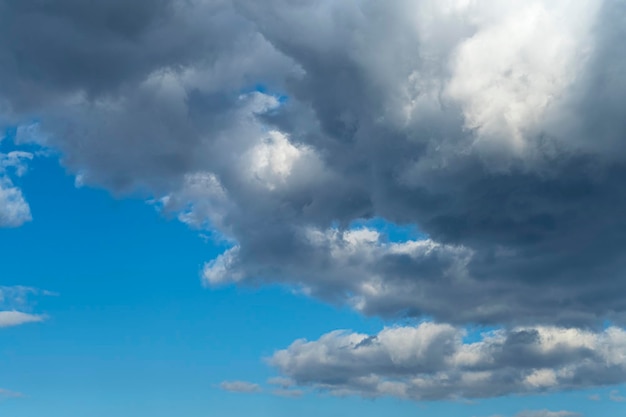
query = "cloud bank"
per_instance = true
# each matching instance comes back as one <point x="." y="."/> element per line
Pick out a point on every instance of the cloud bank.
<point x="496" y="129"/>
<point x="432" y="362"/>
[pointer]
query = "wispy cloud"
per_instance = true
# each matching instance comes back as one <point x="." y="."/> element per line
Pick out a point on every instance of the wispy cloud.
<point x="240" y="386"/>
<point x="17" y="318"/>
<point x="4" y="394"/>
<point x="288" y="393"/>
<point x="16" y="305"/>
<point x="547" y="413"/>
<point x="616" y="397"/>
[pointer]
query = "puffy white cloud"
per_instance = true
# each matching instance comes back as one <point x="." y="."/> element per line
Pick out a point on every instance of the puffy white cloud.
<point x="432" y="362"/>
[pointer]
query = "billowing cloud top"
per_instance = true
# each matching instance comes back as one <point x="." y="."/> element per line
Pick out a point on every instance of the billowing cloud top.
<point x="495" y="127"/>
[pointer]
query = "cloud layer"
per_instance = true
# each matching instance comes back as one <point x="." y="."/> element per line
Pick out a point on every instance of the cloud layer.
<point x="432" y="362"/>
<point x="496" y="129"/>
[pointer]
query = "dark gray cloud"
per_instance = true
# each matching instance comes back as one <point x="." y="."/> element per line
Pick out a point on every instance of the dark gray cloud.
<point x="432" y="362"/>
<point x="495" y="128"/>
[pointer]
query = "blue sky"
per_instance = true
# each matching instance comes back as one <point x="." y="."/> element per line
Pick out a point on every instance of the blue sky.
<point x="312" y="207"/>
<point x="131" y="331"/>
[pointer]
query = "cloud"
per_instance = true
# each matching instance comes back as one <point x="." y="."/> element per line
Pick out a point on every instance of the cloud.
<point x="240" y="386"/>
<point x="18" y="296"/>
<point x="495" y="128"/>
<point x="432" y="362"/>
<point x="14" y="210"/>
<point x="17" y="318"/>
<point x="15" y="305"/>
<point x="616" y="397"/>
<point x="281" y="382"/>
<point x="4" y="394"/>
<point x="547" y="413"/>
<point x="285" y="387"/>
<point x="288" y="393"/>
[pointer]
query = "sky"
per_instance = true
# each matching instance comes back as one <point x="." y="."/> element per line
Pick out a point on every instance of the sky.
<point x="243" y="208"/>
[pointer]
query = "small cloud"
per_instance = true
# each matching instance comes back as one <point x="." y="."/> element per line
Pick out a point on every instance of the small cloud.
<point x="5" y="393"/>
<point x="17" y="318"/>
<point x="594" y="397"/>
<point x="281" y="382"/>
<point x="18" y="296"/>
<point x="240" y="386"/>
<point x="547" y="413"/>
<point x="617" y="397"/>
<point x="289" y="393"/>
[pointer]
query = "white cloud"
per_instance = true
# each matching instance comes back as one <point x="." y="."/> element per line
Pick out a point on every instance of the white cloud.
<point x="17" y="318"/>
<point x="430" y="361"/>
<point x="15" y="305"/>
<point x="14" y="210"/>
<point x="517" y="65"/>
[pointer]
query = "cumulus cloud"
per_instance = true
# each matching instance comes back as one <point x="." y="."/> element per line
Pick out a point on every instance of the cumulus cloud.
<point x="495" y="128"/>
<point x="432" y="362"/>
<point x="240" y="386"/>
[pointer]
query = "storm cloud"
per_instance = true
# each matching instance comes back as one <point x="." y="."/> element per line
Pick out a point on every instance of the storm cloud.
<point x="495" y="128"/>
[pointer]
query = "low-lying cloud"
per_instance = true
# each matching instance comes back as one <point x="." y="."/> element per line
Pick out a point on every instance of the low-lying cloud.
<point x="432" y="362"/>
